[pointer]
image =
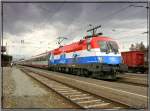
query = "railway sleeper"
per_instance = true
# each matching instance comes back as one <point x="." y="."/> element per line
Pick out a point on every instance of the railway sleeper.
<point x="97" y="105"/>
<point x="81" y="98"/>
<point x="90" y="101"/>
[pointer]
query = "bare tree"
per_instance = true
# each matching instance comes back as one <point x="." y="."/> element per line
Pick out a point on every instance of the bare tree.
<point x="142" y="46"/>
<point x="138" y="47"/>
<point x="132" y="47"/>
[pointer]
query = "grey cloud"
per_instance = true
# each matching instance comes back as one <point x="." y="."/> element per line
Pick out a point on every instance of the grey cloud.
<point x="36" y="14"/>
<point x="40" y="14"/>
<point x="70" y="19"/>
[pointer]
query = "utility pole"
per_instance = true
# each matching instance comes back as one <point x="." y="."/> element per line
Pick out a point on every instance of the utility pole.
<point x="6" y="49"/>
<point x="93" y="30"/>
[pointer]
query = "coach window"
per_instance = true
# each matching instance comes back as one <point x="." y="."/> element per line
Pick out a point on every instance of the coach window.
<point x="44" y="58"/>
<point x="47" y="57"/>
<point x="40" y="58"/>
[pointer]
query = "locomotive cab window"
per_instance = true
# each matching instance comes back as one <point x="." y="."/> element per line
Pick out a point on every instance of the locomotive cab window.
<point x="114" y="46"/>
<point x="108" y="46"/>
<point x="103" y="46"/>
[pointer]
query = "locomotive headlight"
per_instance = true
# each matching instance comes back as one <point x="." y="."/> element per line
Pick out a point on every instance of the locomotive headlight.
<point x="100" y="59"/>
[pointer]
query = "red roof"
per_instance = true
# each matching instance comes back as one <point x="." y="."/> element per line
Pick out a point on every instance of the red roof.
<point x="80" y="45"/>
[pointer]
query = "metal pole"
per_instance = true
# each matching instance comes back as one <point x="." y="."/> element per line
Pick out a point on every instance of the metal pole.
<point x="94" y="29"/>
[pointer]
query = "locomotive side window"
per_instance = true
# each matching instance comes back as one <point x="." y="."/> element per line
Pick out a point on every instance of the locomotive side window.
<point x="103" y="46"/>
<point x="108" y="46"/>
<point x="88" y="44"/>
<point x="88" y="47"/>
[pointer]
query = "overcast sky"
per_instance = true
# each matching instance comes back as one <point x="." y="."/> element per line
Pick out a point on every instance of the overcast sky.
<point x="39" y="24"/>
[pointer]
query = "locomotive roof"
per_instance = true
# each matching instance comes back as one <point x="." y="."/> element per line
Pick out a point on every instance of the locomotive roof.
<point x="79" y="44"/>
<point x="74" y="44"/>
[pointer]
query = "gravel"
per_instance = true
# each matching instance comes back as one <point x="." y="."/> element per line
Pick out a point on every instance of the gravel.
<point x="21" y="91"/>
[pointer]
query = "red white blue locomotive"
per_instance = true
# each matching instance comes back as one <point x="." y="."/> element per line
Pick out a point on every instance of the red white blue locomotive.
<point x="95" y="56"/>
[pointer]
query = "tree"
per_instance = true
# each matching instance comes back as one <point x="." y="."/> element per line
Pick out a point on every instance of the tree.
<point x="132" y="47"/>
<point x="138" y="47"/>
<point x="142" y="46"/>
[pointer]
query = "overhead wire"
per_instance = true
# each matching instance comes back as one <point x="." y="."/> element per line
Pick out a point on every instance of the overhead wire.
<point x="127" y="32"/>
<point x="116" y="12"/>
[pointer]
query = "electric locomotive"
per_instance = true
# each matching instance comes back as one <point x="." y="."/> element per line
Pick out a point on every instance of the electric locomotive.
<point x="94" y="56"/>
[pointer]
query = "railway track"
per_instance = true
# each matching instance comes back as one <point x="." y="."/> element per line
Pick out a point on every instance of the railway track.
<point x="131" y="83"/>
<point x="133" y="80"/>
<point x="77" y="96"/>
<point x="122" y="93"/>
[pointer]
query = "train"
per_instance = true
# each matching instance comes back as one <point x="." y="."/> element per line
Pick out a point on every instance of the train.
<point x="136" y="61"/>
<point x="95" y="56"/>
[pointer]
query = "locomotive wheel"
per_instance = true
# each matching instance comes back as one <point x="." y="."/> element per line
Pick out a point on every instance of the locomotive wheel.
<point x="95" y="75"/>
<point x="86" y="73"/>
<point x="78" y="72"/>
<point x="112" y="75"/>
<point x="69" y="71"/>
<point x="82" y="73"/>
<point x="66" y="70"/>
<point x="104" y="75"/>
<point x="74" y="71"/>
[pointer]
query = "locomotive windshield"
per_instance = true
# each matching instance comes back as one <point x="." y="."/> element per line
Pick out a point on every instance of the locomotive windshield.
<point x="103" y="46"/>
<point x="114" y="46"/>
<point x="108" y="46"/>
